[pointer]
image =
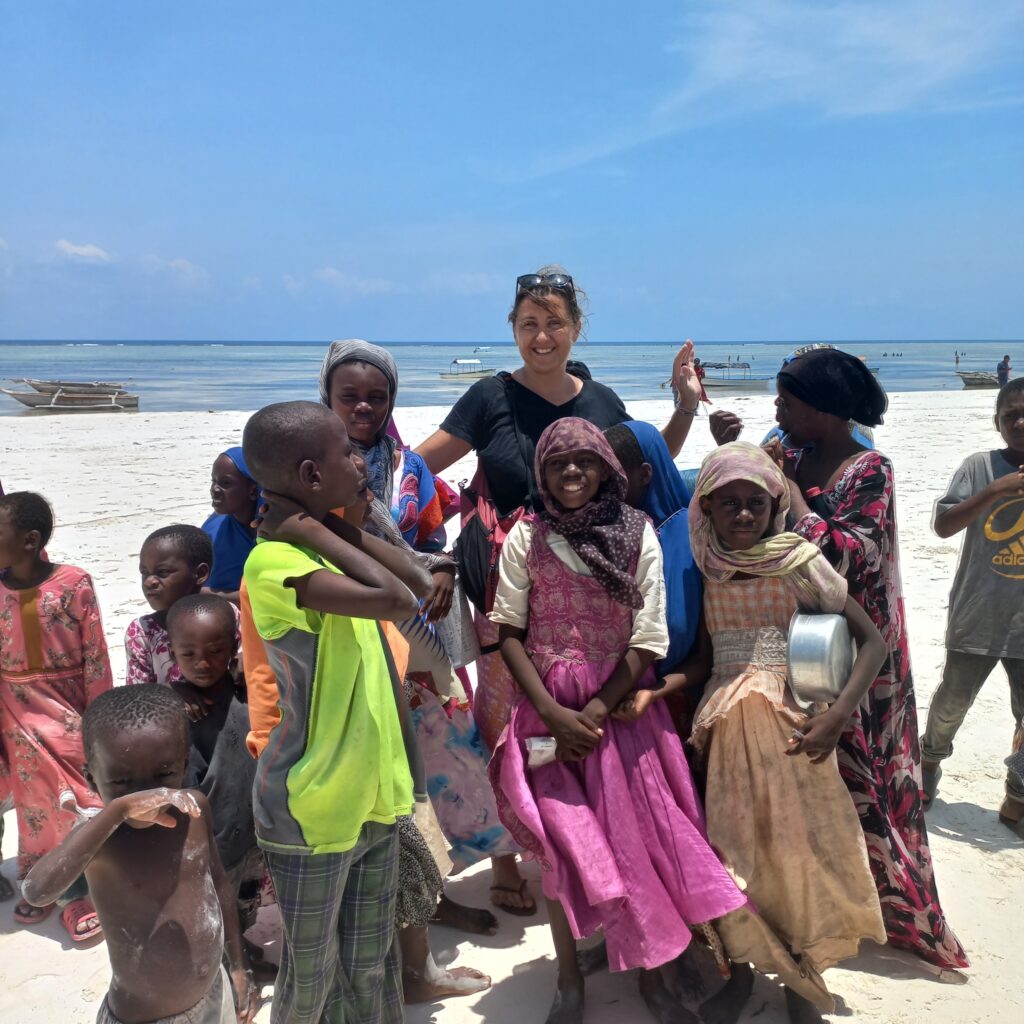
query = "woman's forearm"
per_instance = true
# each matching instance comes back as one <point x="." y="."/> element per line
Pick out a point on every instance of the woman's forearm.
<point x="510" y="643"/>
<point x="676" y="431"/>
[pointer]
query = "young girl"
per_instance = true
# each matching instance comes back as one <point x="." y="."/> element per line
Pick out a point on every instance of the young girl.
<point x="234" y="495"/>
<point x="773" y="784"/>
<point x="614" y="820"/>
<point x="53" y="663"/>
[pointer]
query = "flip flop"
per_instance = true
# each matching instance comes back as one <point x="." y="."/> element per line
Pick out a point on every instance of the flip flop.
<point x="79" y="912"/>
<point x="520" y="890"/>
<point x="25" y="913"/>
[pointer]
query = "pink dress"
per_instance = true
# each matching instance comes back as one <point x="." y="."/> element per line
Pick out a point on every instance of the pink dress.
<point x="53" y="663"/>
<point x="620" y="835"/>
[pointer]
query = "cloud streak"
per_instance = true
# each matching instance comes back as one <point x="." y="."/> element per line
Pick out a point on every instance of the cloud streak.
<point x="351" y="284"/>
<point x="86" y="253"/>
<point x="182" y="273"/>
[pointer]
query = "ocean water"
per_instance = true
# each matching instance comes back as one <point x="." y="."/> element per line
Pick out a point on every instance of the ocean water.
<point x="178" y="376"/>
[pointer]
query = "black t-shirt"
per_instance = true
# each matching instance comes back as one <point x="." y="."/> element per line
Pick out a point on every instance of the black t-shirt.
<point x="482" y="417"/>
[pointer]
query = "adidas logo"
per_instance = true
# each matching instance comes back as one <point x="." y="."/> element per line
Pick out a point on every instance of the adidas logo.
<point x="1008" y="561"/>
<point x="1011" y="556"/>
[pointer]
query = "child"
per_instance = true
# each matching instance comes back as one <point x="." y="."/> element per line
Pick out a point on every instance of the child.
<point x="53" y="664"/>
<point x="234" y="495"/>
<point x="153" y="869"/>
<point x="985" y="498"/>
<point x="335" y="775"/>
<point x="614" y="820"/>
<point x="768" y="811"/>
<point x="204" y="643"/>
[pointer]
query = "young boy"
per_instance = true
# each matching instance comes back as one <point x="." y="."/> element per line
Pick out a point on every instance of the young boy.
<point x="334" y="775"/>
<point x="986" y="606"/>
<point x="153" y="869"/>
<point x="202" y="631"/>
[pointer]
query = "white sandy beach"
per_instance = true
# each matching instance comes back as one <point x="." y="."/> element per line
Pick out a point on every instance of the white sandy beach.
<point x="113" y="479"/>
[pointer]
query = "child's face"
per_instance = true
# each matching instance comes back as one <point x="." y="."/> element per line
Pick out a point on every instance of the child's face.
<point x="231" y="494"/>
<point x="573" y="478"/>
<point x="740" y="512"/>
<point x="1010" y="422"/>
<point x="15" y="544"/>
<point x="146" y="756"/>
<point x="360" y="395"/>
<point x="203" y="646"/>
<point x="341" y="477"/>
<point x="166" y="575"/>
<point x="638" y="479"/>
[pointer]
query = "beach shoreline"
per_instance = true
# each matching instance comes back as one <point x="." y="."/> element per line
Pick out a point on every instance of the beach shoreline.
<point x="114" y="479"/>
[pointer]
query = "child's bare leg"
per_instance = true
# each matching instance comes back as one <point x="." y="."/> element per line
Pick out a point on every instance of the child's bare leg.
<point x="658" y="998"/>
<point x="725" y="1006"/>
<point x="800" y="1010"/>
<point x="568" y="1005"/>
<point x="423" y="981"/>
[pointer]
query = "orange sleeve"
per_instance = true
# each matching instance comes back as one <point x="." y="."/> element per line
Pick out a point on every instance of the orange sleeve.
<point x="260" y="682"/>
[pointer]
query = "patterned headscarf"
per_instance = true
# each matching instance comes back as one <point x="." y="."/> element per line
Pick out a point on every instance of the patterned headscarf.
<point x="779" y="553"/>
<point x="606" y="533"/>
<point x="379" y="456"/>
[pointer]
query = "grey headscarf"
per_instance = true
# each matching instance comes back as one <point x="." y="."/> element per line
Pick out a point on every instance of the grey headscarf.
<point x="379" y="456"/>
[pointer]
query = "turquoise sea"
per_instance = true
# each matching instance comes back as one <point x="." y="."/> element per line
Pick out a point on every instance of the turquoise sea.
<point x="175" y="375"/>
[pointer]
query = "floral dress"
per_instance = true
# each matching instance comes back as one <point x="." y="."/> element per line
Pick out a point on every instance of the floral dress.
<point x="53" y="664"/>
<point x="879" y="754"/>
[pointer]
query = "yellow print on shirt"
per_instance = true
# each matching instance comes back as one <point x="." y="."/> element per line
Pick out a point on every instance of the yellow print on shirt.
<point x="1008" y="561"/>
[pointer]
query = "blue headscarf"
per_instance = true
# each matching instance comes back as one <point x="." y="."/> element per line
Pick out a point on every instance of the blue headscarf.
<point x="232" y="541"/>
<point x="666" y="502"/>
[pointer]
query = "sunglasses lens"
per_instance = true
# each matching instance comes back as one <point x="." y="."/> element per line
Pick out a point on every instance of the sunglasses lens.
<point x="527" y="281"/>
<point x="561" y="281"/>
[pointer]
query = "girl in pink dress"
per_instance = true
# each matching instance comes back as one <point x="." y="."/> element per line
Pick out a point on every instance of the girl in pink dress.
<point x="614" y="819"/>
<point x="53" y="664"/>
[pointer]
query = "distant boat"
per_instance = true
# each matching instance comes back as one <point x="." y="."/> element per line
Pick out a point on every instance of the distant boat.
<point x="90" y="387"/>
<point x="978" y="379"/>
<point x="467" y="369"/>
<point x="734" y="376"/>
<point x="61" y="401"/>
<point x="482" y="348"/>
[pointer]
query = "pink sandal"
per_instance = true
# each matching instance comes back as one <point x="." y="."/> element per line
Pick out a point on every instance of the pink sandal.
<point x="77" y="913"/>
<point x="25" y="913"/>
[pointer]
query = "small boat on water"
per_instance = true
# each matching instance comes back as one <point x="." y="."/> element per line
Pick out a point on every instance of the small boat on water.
<point x="467" y="369"/>
<point x="734" y="376"/>
<point x="977" y="378"/>
<point x="92" y="387"/>
<point x="61" y="401"/>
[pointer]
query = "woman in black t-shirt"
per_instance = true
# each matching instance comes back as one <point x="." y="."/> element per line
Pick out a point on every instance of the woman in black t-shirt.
<point x="501" y="419"/>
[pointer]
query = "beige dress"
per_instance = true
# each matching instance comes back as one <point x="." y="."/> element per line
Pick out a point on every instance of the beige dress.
<point x="787" y="829"/>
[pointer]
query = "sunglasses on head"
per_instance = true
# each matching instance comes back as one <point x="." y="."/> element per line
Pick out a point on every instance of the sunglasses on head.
<point x="560" y="282"/>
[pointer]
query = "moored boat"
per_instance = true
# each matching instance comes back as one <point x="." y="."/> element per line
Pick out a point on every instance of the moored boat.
<point x="733" y="376"/>
<point x="61" y="401"/>
<point x="977" y="378"/>
<point x="467" y="369"/>
<point x="92" y="387"/>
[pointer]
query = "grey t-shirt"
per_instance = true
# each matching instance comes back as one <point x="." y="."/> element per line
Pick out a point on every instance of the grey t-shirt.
<point x="986" y="604"/>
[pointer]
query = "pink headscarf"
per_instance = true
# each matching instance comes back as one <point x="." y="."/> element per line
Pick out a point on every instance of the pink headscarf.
<point x="606" y="533"/>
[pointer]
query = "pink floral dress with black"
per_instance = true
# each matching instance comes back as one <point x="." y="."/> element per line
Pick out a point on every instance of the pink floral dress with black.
<point x="879" y="755"/>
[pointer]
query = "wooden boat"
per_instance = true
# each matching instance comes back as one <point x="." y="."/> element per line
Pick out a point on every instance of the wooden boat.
<point x="467" y="369"/>
<point x="733" y="377"/>
<point x="977" y="379"/>
<point x="61" y="401"/>
<point x="92" y="387"/>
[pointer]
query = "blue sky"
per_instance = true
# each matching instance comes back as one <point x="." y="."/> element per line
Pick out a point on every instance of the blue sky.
<point x="752" y="169"/>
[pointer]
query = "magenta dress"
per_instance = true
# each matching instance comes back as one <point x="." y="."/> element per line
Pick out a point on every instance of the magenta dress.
<point x="620" y="835"/>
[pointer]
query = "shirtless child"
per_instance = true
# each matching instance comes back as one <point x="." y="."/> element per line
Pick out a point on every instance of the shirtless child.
<point x="153" y="870"/>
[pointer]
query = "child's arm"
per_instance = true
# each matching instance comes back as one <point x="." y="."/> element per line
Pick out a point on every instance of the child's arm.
<point x="821" y="732"/>
<point x="95" y="658"/>
<point x="952" y="520"/>
<point x="368" y="590"/>
<point x="246" y="994"/>
<point x="54" y="873"/>
<point x="576" y="732"/>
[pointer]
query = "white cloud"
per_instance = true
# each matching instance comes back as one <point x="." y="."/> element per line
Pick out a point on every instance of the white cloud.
<point x="181" y="272"/>
<point x="464" y="282"/>
<point x="352" y="285"/>
<point x="87" y="253"/>
<point x="292" y="285"/>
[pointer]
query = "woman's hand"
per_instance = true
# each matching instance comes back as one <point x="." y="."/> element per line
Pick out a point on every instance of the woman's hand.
<point x="634" y="705"/>
<point x="774" y="450"/>
<point x="438" y="603"/>
<point x="197" y="702"/>
<point x="819" y="736"/>
<point x="685" y="381"/>
<point x="576" y="732"/>
<point x="284" y="519"/>
<point x="725" y="426"/>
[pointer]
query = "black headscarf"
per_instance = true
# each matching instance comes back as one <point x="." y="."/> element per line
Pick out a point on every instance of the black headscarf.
<point x="837" y="383"/>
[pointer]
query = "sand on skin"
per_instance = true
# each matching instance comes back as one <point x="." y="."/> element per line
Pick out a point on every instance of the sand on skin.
<point x="113" y="479"/>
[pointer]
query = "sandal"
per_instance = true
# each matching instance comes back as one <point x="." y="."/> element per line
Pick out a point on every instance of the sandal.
<point x="25" y="913"/>
<point x="520" y="890"/>
<point x="77" y="913"/>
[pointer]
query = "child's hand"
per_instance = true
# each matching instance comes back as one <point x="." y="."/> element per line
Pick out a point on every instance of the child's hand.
<point x="776" y="453"/>
<point x="1008" y="486"/>
<point x="247" y="995"/>
<point x="152" y="806"/>
<point x="576" y="733"/>
<point x="284" y="519"/>
<point x="634" y="705"/>
<point x="438" y="603"/>
<point x="725" y="426"/>
<point x="818" y="737"/>
<point x="197" y="702"/>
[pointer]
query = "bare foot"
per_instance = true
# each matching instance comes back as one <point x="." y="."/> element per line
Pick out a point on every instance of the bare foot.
<point x="568" y="1005"/>
<point x="592" y="959"/>
<point x="725" y="1006"/>
<point x="664" y="1007"/>
<point x="466" y="919"/>
<point x="800" y="1010"/>
<point x="442" y="984"/>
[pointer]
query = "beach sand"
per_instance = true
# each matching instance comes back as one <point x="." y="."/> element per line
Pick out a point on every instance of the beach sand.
<point x="113" y="479"/>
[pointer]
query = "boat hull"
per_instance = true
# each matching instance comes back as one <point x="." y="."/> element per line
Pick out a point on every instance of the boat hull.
<point x="79" y="387"/>
<point x="978" y="379"/>
<point x="475" y="375"/>
<point x="60" y="402"/>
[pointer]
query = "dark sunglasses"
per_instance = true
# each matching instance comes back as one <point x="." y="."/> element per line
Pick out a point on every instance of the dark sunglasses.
<point x="560" y="282"/>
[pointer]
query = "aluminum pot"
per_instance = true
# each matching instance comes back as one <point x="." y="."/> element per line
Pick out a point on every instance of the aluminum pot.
<point x="820" y="657"/>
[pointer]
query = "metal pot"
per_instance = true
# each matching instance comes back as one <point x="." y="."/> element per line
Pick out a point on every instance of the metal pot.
<point x="820" y="657"/>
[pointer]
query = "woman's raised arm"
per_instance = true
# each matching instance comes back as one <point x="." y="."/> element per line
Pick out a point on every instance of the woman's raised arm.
<point x="442" y="450"/>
